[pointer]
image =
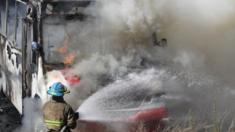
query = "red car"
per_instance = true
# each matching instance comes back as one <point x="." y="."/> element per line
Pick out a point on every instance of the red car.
<point x="119" y="109"/>
<point x="130" y="107"/>
<point x="143" y="119"/>
<point x="72" y="79"/>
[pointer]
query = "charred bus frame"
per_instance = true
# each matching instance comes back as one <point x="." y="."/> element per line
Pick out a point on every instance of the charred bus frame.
<point x="19" y="59"/>
<point x="22" y="44"/>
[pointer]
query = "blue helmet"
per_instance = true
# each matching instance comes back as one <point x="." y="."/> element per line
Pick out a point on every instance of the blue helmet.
<point x="58" y="89"/>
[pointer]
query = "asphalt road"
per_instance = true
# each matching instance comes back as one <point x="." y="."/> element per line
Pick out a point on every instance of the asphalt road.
<point x="9" y="117"/>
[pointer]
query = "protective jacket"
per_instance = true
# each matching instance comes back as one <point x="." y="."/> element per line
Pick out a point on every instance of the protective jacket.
<point x="58" y="114"/>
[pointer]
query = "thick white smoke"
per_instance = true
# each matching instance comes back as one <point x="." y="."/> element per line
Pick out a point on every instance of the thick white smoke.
<point x="199" y="53"/>
<point x="117" y="40"/>
<point x="32" y="120"/>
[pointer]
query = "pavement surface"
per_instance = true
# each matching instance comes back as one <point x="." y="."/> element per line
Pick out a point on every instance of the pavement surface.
<point x="9" y="116"/>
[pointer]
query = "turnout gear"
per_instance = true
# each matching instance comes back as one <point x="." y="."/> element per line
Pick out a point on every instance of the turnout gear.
<point x="58" y="115"/>
<point x="58" y="89"/>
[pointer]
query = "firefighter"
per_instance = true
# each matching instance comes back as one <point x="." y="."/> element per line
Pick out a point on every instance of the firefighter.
<point x="58" y="115"/>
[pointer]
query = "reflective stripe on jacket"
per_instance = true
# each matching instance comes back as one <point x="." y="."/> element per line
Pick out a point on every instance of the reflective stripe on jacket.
<point x="58" y="114"/>
<point x="54" y="123"/>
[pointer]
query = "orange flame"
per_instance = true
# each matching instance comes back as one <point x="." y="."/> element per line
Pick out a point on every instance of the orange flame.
<point x="69" y="59"/>
<point x="63" y="49"/>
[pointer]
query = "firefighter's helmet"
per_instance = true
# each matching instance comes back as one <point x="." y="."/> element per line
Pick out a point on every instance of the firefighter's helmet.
<point x="58" y="89"/>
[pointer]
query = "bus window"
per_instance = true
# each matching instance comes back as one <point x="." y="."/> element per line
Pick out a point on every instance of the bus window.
<point x="11" y="20"/>
<point x="21" y="12"/>
<point x="54" y="35"/>
<point x="60" y="38"/>
<point x="2" y="16"/>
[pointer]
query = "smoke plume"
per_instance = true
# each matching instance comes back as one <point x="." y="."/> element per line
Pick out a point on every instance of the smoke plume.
<point x="116" y="39"/>
<point x="198" y="56"/>
<point x="32" y="120"/>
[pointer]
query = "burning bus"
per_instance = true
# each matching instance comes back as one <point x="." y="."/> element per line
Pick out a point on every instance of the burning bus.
<point x="34" y="39"/>
<point x="29" y="31"/>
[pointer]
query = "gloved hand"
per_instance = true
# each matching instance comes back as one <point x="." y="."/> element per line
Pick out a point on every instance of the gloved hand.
<point x="76" y="114"/>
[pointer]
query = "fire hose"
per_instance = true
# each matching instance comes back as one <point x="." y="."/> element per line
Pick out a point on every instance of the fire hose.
<point x="76" y="116"/>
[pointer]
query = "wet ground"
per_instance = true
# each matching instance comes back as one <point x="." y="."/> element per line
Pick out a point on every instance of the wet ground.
<point x="9" y="117"/>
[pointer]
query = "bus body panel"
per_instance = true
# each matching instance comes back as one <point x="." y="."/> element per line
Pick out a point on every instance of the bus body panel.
<point x="11" y="67"/>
